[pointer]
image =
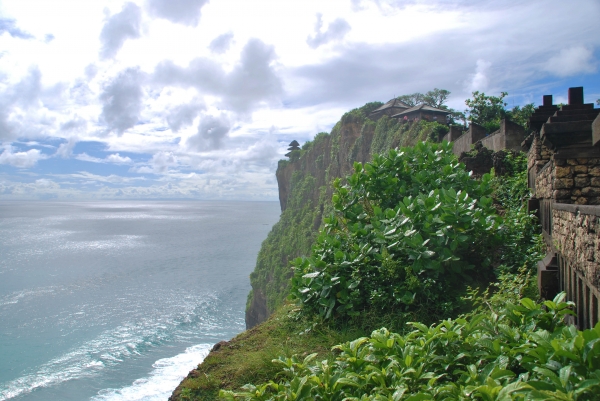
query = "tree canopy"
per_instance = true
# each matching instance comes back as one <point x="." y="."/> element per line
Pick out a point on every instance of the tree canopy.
<point x="488" y="111"/>
<point x="434" y="98"/>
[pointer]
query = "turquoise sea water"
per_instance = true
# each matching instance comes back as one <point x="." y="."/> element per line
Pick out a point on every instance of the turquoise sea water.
<point x="119" y="300"/>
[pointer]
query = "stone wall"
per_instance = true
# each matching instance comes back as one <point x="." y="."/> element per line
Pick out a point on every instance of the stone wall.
<point x="576" y="235"/>
<point x="509" y="136"/>
<point x="538" y="154"/>
<point x="453" y="134"/>
<point x="494" y="141"/>
<point x="463" y="144"/>
<point x="544" y="182"/>
<point x="577" y="181"/>
<point x="576" y="241"/>
<point x="570" y="181"/>
<point x="564" y="178"/>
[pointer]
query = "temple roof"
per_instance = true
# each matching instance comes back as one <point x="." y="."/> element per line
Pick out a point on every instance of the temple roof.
<point x="422" y="107"/>
<point x="294" y="143"/>
<point x="393" y="103"/>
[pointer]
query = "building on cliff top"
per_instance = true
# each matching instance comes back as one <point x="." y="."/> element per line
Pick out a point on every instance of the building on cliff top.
<point x="392" y="107"/>
<point x="424" y="112"/>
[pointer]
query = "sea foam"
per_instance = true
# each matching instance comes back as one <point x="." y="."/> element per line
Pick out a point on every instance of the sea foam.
<point x="162" y="380"/>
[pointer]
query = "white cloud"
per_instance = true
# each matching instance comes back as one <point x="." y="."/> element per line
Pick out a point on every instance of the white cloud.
<point x="84" y="157"/>
<point x="161" y="161"/>
<point x="164" y="80"/>
<point x="65" y="150"/>
<point x="26" y="159"/>
<point x="120" y="27"/>
<point x="142" y="170"/>
<point x="186" y="12"/>
<point x="116" y="158"/>
<point x="211" y="132"/>
<point x="572" y="61"/>
<point x="183" y="115"/>
<point x="221" y="43"/>
<point x="122" y="101"/>
<point x="253" y="81"/>
<point x="336" y="31"/>
<point x="112" y="178"/>
<point x="480" y="80"/>
<point x="113" y="158"/>
<point x="9" y="26"/>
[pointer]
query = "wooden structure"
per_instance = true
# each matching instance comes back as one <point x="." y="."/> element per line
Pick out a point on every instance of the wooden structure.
<point x="393" y="106"/>
<point x="424" y="112"/>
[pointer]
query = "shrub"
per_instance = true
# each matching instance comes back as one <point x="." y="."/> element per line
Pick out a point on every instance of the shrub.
<point x="509" y="348"/>
<point x="522" y="245"/>
<point x="409" y="230"/>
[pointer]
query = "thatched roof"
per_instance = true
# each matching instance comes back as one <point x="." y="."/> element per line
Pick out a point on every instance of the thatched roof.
<point x="294" y="143"/>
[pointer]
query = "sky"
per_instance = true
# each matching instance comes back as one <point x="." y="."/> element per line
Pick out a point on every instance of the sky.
<point x="198" y="99"/>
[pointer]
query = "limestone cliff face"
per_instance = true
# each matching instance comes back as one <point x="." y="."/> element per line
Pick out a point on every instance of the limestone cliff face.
<point x="328" y="158"/>
<point x="304" y="194"/>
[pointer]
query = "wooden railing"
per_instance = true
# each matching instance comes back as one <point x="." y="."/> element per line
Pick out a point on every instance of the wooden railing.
<point x="585" y="296"/>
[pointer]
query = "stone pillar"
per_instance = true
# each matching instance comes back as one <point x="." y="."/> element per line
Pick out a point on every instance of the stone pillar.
<point x="453" y="134"/>
<point x="513" y="134"/>
<point x="576" y="95"/>
<point x="477" y="132"/>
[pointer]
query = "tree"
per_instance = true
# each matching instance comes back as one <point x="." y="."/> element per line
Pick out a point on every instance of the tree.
<point x="413" y="99"/>
<point x="436" y="98"/>
<point x="520" y="115"/>
<point x="486" y="111"/>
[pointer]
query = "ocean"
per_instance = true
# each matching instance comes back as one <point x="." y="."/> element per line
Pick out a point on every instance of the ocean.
<point x="119" y="300"/>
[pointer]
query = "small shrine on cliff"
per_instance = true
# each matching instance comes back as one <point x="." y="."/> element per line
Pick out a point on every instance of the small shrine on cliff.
<point x="294" y="145"/>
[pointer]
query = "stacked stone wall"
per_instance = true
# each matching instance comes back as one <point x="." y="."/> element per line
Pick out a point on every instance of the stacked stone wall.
<point x="543" y="182"/>
<point x="538" y="154"/>
<point x="576" y="236"/>
<point x="577" y="181"/>
<point x="570" y="181"/>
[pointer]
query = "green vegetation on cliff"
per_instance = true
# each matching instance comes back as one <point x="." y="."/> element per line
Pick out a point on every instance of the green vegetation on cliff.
<point x="507" y="347"/>
<point x="306" y="187"/>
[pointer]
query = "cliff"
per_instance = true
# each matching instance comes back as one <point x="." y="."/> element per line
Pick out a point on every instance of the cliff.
<point x="305" y="192"/>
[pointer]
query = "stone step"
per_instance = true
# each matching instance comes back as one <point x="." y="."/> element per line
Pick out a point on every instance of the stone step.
<point x="547" y="108"/>
<point x="579" y="117"/>
<point x="569" y="107"/>
<point x="578" y="112"/>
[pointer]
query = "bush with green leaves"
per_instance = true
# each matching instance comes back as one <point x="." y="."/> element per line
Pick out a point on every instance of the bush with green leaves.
<point x="410" y="229"/>
<point x="508" y="348"/>
<point x="521" y="238"/>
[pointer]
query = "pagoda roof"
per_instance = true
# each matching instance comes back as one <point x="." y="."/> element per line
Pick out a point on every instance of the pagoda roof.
<point x="294" y="143"/>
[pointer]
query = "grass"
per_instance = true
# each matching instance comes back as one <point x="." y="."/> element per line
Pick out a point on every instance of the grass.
<point x="247" y="357"/>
